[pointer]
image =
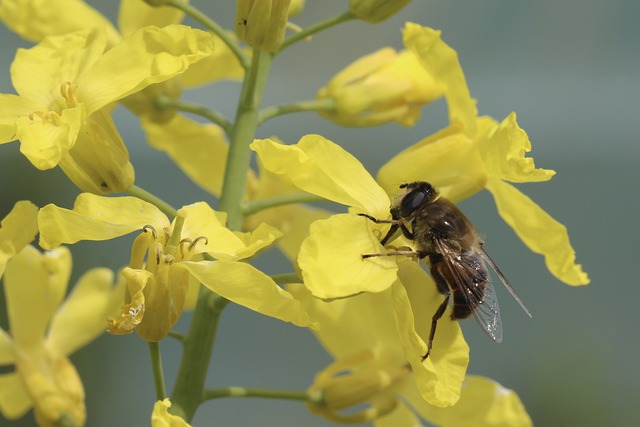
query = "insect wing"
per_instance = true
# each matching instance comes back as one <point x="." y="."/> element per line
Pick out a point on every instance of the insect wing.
<point x="481" y="300"/>
<point x="505" y="282"/>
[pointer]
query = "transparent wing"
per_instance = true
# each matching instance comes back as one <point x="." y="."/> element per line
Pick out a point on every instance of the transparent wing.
<point x="505" y="282"/>
<point x="473" y="282"/>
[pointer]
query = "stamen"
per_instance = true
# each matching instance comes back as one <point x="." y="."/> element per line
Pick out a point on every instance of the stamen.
<point x="195" y="242"/>
<point x="68" y="92"/>
<point x="150" y="229"/>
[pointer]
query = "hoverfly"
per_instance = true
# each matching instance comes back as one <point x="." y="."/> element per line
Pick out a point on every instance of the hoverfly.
<point x="455" y="254"/>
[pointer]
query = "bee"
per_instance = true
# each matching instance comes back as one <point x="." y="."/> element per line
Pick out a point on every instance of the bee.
<point x="454" y="251"/>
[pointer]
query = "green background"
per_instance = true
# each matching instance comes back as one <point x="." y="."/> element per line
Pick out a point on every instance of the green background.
<point x="570" y="69"/>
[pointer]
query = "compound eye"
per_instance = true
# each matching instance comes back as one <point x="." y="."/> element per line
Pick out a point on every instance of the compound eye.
<point x="411" y="202"/>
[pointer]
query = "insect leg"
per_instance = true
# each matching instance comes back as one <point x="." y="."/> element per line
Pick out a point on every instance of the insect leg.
<point x="434" y="322"/>
<point x="395" y="224"/>
<point x="417" y="254"/>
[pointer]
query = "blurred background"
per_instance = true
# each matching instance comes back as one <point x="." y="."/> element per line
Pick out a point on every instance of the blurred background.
<point x="571" y="71"/>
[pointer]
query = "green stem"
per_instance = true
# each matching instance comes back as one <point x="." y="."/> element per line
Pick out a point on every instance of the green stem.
<point x="296" y="107"/>
<point x="213" y="26"/>
<point x="316" y="28"/>
<point x="286" y="278"/>
<point x="177" y="336"/>
<point x="156" y="367"/>
<point x="285" y="199"/>
<point x="305" y="396"/>
<point x="244" y="130"/>
<point x="143" y="194"/>
<point x="163" y="102"/>
<point x="198" y="347"/>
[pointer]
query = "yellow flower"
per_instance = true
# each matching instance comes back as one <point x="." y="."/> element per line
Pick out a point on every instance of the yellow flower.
<point x="387" y="86"/>
<point x="461" y="164"/>
<point x="60" y="106"/>
<point x="376" y="10"/>
<point x="262" y="23"/>
<point x="371" y="379"/>
<point x="44" y="330"/>
<point x="157" y="288"/>
<point x="162" y="418"/>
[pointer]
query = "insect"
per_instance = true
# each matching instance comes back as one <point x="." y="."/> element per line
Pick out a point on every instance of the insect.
<point x="455" y="254"/>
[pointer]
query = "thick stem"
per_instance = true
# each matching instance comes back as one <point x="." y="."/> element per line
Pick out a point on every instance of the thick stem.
<point x="198" y="347"/>
<point x="198" y="344"/>
<point x="244" y="130"/>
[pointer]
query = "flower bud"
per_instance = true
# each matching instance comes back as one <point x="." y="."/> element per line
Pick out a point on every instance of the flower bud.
<point x="376" y="10"/>
<point x="385" y="86"/>
<point x="355" y="381"/>
<point x="99" y="161"/>
<point x="296" y="7"/>
<point x="262" y="23"/>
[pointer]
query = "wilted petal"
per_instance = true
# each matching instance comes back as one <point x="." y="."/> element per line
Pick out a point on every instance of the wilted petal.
<point x="539" y="231"/>
<point x="35" y="284"/>
<point x="245" y="285"/>
<point x="199" y="150"/>
<point x="331" y="258"/>
<point x="415" y="301"/>
<point x="17" y="230"/>
<point x="162" y="418"/>
<point x="83" y="315"/>
<point x="441" y="61"/>
<point x="319" y="166"/>
<point x="503" y="149"/>
<point x="96" y="218"/>
<point x="150" y="55"/>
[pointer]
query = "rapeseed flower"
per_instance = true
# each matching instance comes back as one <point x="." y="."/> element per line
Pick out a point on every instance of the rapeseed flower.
<point x="167" y="256"/>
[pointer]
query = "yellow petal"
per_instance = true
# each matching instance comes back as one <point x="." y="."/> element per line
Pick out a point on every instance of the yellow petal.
<point x="96" y="218"/>
<point x="11" y="108"/>
<point x="7" y="351"/>
<point x="46" y="142"/>
<point x="331" y="258"/>
<point x="150" y="55"/>
<point x="441" y="61"/>
<point x="539" y="231"/>
<point x="35" y="284"/>
<point x="99" y="161"/>
<point x="245" y="285"/>
<point x="162" y="418"/>
<point x="221" y="242"/>
<point x="14" y="397"/>
<point x="415" y="301"/>
<point x="39" y="72"/>
<point x="483" y="403"/>
<point x="447" y="160"/>
<point x="319" y="166"/>
<point x="350" y="325"/>
<point x="83" y="316"/>
<point x="136" y="14"/>
<point x="503" y="149"/>
<point x="35" y="20"/>
<point x="131" y="313"/>
<point x="199" y="150"/>
<point x="222" y="65"/>
<point x="17" y="229"/>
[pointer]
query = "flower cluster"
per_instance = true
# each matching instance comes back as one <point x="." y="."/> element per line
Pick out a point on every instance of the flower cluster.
<point x="372" y="315"/>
